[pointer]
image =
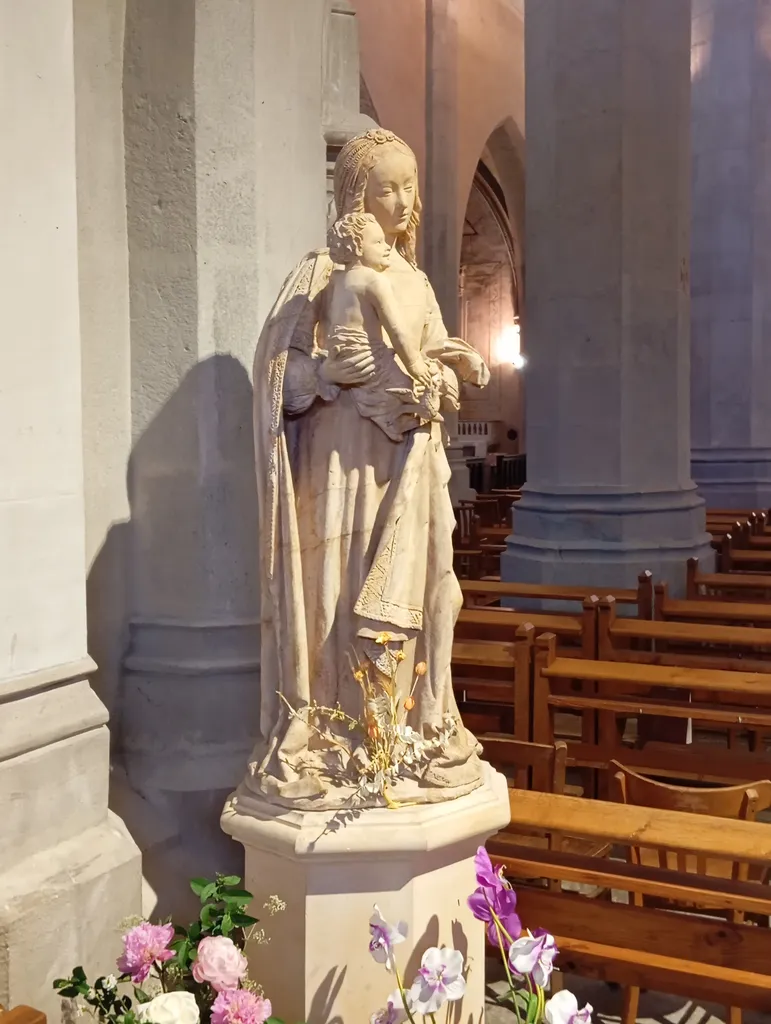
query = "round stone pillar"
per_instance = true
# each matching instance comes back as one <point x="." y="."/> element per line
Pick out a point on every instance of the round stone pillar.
<point x="225" y="191"/>
<point x="609" y="491"/>
<point x="731" y="250"/>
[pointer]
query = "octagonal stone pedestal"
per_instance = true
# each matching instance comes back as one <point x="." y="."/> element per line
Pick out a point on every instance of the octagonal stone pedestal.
<point x="415" y="862"/>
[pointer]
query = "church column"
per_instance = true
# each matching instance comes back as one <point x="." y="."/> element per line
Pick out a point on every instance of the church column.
<point x="609" y="491"/>
<point x="226" y="191"/>
<point x="69" y="872"/>
<point x="439" y="191"/>
<point x="731" y="252"/>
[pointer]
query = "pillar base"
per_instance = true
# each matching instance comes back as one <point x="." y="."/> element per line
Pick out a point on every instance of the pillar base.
<point x="415" y="863"/>
<point x="189" y="715"/>
<point x="606" y="538"/>
<point x="70" y="871"/>
<point x="64" y="907"/>
<point x="733" y="477"/>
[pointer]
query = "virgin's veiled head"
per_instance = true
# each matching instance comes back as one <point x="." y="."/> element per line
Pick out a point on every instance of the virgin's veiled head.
<point x="376" y="172"/>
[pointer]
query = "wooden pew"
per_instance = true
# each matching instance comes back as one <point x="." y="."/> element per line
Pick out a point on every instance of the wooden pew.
<point x="745" y="613"/>
<point x="621" y="690"/>
<point x="542" y="768"/>
<point x="529" y="765"/>
<point x="485" y="591"/>
<point x="728" y="647"/>
<point x="576" y="636"/>
<point x="492" y="680"/>
<point x="22" y="1015"/>
<point x="763" y="514"/>
<point x="733" y="556"/>
<point x="734" y="648"/>
<point x="725" y="586"/>
<point x="575" y="632"/>
<point x="683" y="953"/>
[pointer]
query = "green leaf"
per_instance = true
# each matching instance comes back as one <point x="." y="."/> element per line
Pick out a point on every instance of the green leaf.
<point x="179" y="930"/>
<point x="198" y="885"/>
<point x="83" y="987"/>
<point x="194" y="932"/>
<point x="141" y="997"/>
<point x="237" y="894"/>
<point x="243" y="920"/>
<point x="208" y="892"/>
<point x="226" y="925"/>
<point x="182" y="949"/>
<point x="208" y="914"/>
<point x="228" y="879"/>
<point x="79" y="974"/>
<point x="69" y="992"/>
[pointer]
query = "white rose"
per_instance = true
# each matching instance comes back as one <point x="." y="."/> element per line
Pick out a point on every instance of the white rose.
<point x="170" y="1008"/>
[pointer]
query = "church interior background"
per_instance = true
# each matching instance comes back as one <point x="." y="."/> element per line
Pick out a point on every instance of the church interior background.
<point x="596" y="184"/>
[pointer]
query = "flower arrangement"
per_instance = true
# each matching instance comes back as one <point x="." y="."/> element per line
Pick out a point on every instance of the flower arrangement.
<point x="389" y="747"/>
<point x="440" y="979"/>
<point x="193" y="975"/>
<point x="528" y="959"/>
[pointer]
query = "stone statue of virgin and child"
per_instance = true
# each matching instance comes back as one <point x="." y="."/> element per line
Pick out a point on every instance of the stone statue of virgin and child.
<point x="352" y="371"/>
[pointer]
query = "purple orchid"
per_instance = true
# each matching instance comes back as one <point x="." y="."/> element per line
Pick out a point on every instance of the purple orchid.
<point x="439" y="980"/>
<point x="494" y="898"/>
<point x="562" y="1008"/>
<point x="533" y="956"/>
<point x="384" y="938"/>
<point x="394" y="1012"/>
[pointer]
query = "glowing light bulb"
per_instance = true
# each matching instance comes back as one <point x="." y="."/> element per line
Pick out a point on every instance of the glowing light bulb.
<point x="518" y="361"/>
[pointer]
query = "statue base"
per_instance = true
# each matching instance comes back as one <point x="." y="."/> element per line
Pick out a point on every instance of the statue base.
<point x="415" y="863"/>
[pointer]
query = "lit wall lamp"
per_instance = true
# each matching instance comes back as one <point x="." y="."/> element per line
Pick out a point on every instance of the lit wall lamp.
<point x="509" y="346"/>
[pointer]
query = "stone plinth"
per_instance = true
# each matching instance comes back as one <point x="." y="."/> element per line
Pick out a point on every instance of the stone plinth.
<point x="416" y="863"/>
<point x="609" y="491"/>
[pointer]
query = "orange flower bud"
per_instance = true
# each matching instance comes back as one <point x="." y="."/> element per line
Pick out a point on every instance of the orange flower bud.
<point x="409" y="703"/>
<point x="421" y="668"/>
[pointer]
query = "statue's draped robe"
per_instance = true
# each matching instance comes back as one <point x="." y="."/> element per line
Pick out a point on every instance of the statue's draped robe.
<point x="356" y="538"/>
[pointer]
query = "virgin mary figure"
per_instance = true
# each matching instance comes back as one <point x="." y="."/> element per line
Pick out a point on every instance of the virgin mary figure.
<point x="356" y="527"/>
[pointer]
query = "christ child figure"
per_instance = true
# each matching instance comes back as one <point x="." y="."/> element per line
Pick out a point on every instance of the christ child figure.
<point x="361" y="310"/>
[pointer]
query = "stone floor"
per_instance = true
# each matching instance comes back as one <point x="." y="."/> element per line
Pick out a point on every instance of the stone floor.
<point x="655" y="1007"/>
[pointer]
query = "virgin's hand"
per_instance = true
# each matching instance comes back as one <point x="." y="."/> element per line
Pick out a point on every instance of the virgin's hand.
<point x="356" y="368"/>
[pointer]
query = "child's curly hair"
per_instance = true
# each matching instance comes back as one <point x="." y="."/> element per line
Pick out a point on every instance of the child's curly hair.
<point x="344" y="238"/>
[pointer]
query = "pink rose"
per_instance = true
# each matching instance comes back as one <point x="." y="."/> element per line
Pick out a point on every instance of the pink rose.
<point x="238" y="1006"/>
<point x="143" y="947"/>
<point x="219" y="962"/>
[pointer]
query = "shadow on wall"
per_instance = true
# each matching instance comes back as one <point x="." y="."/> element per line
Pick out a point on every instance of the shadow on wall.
<point x="186" y="715"/>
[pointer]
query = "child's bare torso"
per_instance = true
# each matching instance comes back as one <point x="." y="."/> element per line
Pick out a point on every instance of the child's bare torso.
<point x="350" y="302"/>
<point x="350" y="321"/>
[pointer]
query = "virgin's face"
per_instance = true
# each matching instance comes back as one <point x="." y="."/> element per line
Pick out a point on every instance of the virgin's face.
<point x="392" y="185"/>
